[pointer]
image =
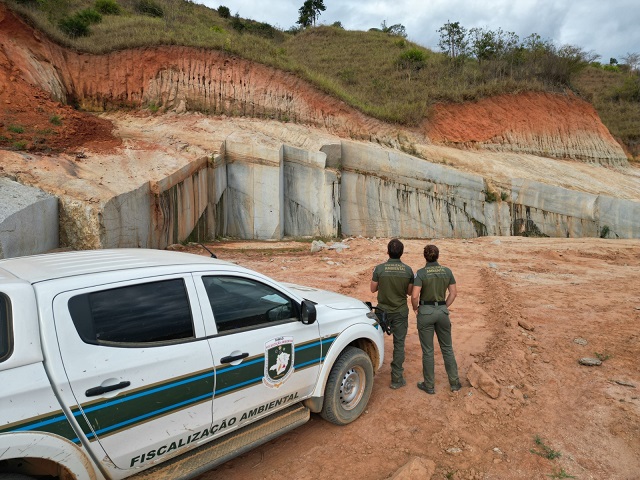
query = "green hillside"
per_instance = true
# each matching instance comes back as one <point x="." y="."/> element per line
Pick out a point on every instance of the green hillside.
<point x="378" y="72"/>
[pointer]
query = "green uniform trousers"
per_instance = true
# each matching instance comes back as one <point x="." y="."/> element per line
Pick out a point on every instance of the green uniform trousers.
<point x="399" y="327"/>
<point x="430" y="319"/>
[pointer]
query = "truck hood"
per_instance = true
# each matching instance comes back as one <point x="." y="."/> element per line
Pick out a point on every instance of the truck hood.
<point x="327" y="298"/>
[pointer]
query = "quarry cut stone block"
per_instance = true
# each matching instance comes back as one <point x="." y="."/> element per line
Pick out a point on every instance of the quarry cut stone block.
<point x="28" y="220"/>
<point x="483" y="381"/>
<point x="311" y="194"/>
<point x="255" y="191"/>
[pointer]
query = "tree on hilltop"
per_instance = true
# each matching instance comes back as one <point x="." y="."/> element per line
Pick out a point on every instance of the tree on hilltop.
<point x="453" y="39"/>
<point x="309" y="12"/>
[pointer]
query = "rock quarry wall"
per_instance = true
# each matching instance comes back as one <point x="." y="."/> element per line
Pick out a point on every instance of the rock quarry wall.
<point x="260" y="188"/>
<point x="257" y="188"/>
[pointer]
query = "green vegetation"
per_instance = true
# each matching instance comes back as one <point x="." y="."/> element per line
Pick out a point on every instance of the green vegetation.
<point x="602" y="356"/>
<point x="379" y="72"/>
<point x="560" y="474"/>
<point x="150" y="8"/>
<point x="615" y="94"/>
<point x="224" y="12"/>
<point x="55" y="120"/>
<point x="545" y="451"/>
<point x="16" y="128"/>
<point x="309" y="12"/>
<point x="489" y="196"/>
<point x="108" y="7"/>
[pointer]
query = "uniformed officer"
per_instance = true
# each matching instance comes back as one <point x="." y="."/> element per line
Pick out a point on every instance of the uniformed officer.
<point x="393" y="280"/>
<point x="432" y="283"/>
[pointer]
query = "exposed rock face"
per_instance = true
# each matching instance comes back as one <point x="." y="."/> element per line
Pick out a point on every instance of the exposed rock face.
<point x="186" y="176"/>
<point x="28" y="219"/>
<point x="257" y="187"/>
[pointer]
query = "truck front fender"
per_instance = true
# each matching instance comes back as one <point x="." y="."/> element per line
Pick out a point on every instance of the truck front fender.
<point x="362" y="335"/>
<point x="49" y="447"/>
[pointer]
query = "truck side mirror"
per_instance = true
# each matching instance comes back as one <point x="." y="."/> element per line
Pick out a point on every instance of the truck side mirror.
<point x="308" y="312"/>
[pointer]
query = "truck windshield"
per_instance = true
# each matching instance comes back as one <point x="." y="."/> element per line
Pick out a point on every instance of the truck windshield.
<point x="5" y="328"/>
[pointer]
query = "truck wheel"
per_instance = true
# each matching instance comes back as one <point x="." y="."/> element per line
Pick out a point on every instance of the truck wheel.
<point x="348" y="387"/>
<point x="14" y="476"/>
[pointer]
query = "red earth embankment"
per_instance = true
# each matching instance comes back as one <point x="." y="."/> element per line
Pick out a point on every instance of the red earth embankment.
<point x="35" y="72"/>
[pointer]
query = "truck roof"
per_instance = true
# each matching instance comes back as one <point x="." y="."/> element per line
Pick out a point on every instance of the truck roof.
<point x="39" y="268"/>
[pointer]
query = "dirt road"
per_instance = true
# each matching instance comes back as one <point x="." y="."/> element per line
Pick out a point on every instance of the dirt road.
<point x="567" y="290"/>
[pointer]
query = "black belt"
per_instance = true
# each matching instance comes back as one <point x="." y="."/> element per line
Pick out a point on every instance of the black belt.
<point x="424" y="302"/>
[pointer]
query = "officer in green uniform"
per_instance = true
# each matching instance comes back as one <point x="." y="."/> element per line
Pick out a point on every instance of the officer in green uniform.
<point x="431" y="284"/>
<point x="393" y="280"/>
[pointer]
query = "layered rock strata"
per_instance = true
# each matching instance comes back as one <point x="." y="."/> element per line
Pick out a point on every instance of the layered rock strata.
<point x="260" y="188"/>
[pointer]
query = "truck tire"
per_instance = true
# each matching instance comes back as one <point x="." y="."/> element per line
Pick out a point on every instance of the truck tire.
<point x="348" y="387"/>
<point x="14" y="476"/>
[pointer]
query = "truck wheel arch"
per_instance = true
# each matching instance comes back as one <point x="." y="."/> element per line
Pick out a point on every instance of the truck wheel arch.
<point x="44" y="453"/>
<point x="354" y="336"/>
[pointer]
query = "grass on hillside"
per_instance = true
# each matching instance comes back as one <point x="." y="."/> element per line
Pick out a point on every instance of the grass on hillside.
<point x="382" y="75"/>
<point x="616" y="97"/>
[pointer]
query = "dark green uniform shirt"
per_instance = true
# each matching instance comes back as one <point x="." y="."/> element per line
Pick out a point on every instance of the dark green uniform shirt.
<point x="434" y="280"/>
<point x="394" y="278"/>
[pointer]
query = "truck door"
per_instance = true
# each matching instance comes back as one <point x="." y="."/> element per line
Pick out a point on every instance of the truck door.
<point x="265" y="358"/>
<point x="139" y="366"/>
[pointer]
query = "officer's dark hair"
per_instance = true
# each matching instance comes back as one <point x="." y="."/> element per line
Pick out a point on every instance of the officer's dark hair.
<point x="395" y="249"/>
<point x="431" y="253"/>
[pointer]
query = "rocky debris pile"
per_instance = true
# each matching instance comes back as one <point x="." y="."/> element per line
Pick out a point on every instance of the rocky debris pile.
<point x="318" y="245"/>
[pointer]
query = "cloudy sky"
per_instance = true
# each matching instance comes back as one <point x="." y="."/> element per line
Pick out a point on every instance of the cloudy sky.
<point x="610" y="28"/>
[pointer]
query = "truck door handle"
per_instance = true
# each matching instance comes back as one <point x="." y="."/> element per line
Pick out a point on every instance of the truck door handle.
<point x="92" y="392"/>
<point x="233" y="358"/>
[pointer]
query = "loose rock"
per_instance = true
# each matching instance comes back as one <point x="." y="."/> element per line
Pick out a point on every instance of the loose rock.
<point x="317" y="245"/>
<point x="417" y="467"/>
<point x="483" y="381"/>
<point x="580" y="341"/>
<point x="526" y="325"/>
<point x="590" y="362"/>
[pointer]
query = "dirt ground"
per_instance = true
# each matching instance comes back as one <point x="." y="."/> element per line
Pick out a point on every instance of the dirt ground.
<point x="588" y="418"/>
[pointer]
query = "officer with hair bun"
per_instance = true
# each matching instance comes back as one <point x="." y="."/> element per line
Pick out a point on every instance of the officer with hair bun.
<point x="433" y="293"/>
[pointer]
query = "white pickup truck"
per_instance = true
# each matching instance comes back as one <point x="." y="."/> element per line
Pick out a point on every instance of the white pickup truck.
<point x="157" y="364"/>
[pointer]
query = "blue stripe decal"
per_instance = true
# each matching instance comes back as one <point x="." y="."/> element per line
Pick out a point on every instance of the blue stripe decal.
<point x="311" y="362"/>
<point x="42" y="423"/>
<point x="309" y="346"/>
<point x="238" y="385"/>
<point x="147" y="392"/>
<point x="235" y="367"/>
<point x="150" y="414"/>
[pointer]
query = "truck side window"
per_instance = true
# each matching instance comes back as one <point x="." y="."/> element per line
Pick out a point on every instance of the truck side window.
<point x="6" y="344"/>
<point x="239" y="302"/>
<point x="136" y="314"/>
